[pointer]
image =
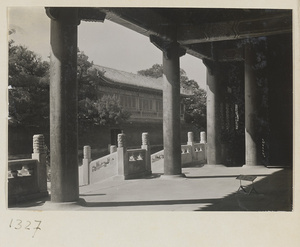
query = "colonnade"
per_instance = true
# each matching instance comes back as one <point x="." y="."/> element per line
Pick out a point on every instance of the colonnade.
<point x="63" y="106"/>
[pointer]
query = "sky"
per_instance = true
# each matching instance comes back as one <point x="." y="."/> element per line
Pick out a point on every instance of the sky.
<point x="106" y="44"/>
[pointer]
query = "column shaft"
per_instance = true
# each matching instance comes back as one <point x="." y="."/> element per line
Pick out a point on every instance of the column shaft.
<point x="63" y="107"/>
<point x="213" y="121"/>
<point x="171" y="112"/>
<point x="251" y="93"/>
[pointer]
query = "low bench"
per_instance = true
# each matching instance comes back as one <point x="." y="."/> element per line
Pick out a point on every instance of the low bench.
<point x="249" y="178"/>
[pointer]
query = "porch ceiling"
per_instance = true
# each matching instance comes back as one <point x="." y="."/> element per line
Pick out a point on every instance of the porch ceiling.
<point x="195" y="28"/>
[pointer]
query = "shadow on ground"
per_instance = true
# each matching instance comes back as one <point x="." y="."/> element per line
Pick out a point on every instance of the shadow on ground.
<point x="146" y="203"/>
<point x="274" y="193"/>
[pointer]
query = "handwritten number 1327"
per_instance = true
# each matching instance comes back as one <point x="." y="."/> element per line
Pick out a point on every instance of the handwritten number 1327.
<point x="19" y="224"/>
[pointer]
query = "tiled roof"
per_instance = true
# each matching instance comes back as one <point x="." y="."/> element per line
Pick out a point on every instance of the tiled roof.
<point x="132" y="79"/>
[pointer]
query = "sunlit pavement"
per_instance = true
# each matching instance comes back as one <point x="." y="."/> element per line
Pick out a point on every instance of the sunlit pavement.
<point x="207" y="188"/>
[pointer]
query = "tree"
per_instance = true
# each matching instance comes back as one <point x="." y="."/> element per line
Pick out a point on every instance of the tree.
<point x="111" y="111"/>
<point x="195" y="104"/>
<point x="28" y="83"/>
<point x="195" y="109"/>
<point x="92" y="110"/>
<point x="29" y="91"/>
<point x="156" y="71"/>
<point x="87" y="77"/>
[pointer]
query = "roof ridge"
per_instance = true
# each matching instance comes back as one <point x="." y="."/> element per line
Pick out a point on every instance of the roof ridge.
<point x="118" y="70"/>
<point x="132" y="79"/>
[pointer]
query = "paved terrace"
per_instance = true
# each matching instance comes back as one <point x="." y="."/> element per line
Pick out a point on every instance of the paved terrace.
<point x="206" y="188"/>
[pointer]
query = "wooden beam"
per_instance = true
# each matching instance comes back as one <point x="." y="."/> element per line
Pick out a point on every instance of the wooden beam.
<point x="230" y="30"/>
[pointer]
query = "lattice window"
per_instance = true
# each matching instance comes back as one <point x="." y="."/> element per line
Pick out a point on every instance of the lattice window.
<point x="159" y="106"/>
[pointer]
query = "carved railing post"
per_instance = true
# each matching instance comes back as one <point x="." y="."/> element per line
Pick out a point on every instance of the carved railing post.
<point x="85" y="168"/>
<point x="202" y="137"/>
<point x="203" y="143"/>
<point x="146" y="146"/>
<point x="190" y="142"/>
<point x="39" y="153"/>
<point x="112" y="149"/>
<point x="190" y="138"/>
<point x="122" y="155"/>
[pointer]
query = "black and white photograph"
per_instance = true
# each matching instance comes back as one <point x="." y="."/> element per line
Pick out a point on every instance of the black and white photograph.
<point x="170" y="122"/>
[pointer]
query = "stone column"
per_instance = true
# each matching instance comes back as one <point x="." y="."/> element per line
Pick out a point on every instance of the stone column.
<point x="251" y="93"/>
<point x="39" y="153"/>
<point x="213" y="110"/>
<point x="171" y="110"/>
<point x="63" y="104"/>
<point x="171" y="102"/>
<point x="146" y="146"/>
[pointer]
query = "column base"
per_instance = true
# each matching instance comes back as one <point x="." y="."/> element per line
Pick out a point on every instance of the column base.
<point x="49" y="205"/>
<point x="252" y="166"/>
<point x="213" y="165"/>
<point x="170" y="177"/>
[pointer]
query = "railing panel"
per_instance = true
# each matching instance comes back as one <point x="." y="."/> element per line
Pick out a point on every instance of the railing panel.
<point x="199" y="152"/>
<point x="186" y="154"/>
<point x="22" y="179"/>
<point x="24" y="167"/>
<point x="103" y="168"/>
<point x="136" y="162"/>
<point x="157" y="156"/>
<point x="189" y="153"/>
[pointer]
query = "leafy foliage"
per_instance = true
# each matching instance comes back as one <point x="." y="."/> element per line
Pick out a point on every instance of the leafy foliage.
<point x="111" y="111"/>
<point x="155" y="71"/>
<point x="29" y="91"/>
<point x="195" y="109"/>
<point x="28" y="87"/>
<point x="87" y="78"/>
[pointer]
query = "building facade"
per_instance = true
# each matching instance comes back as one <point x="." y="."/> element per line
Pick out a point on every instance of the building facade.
<point x="142" y="97"/>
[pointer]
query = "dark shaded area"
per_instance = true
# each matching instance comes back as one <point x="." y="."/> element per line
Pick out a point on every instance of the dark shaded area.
<point x="196" y="15"/>
<point x="154" y="175"/>
<point x="232" y="114"/>
<point x="92" y="194"/>
<point x="30" y="202"/>
<point x="274" y="194"/>
<point x="279" y="142"/>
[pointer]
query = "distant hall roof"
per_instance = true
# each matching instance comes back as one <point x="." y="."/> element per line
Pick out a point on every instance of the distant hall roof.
<point x="131" y="79"/>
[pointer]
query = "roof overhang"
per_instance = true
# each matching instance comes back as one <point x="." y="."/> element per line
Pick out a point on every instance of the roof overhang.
<point x="202" y="32"/>
<point x="196" y="29"/>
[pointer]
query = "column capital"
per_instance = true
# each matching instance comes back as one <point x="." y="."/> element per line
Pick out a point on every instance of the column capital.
<point x="212" y="66"/>
<point x="70" y="15"/>
<point x="168" y="47"/>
